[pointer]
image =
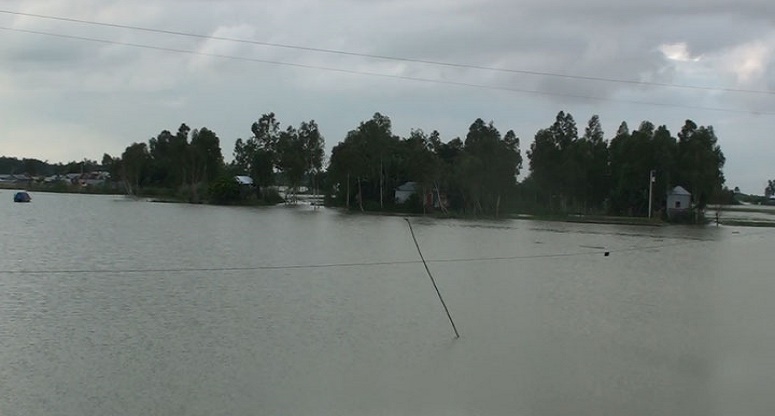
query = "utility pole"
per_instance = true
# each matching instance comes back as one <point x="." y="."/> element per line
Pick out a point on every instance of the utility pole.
<point x="652" y="178"/>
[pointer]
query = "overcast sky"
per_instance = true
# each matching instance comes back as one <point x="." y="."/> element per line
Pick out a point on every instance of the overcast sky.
<point x="65" y="99"/>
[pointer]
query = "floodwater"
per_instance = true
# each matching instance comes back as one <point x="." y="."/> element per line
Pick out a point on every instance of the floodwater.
<point x="121" y="307"/>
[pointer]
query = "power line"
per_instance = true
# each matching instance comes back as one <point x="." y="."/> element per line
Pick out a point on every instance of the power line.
<point x="377" y="74"/>
<point x="388" y="57"/>
<point x="212" y="269"/>
<point x="584" y="253"/>
<point x="596" y="252"/>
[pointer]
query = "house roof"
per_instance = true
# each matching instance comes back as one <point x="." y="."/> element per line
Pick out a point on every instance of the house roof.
<point x="244" y="180"/>
<point x="679" y="190"/>
<point x="408" y="186"/>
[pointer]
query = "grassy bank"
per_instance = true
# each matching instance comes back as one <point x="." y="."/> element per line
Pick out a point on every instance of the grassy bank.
<point x="748" y="223"/>
<point x="62" y="188"/>
<point x="595" y="219"/>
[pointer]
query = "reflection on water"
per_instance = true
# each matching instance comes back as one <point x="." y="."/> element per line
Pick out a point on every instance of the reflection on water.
<point x="194" y="312"/>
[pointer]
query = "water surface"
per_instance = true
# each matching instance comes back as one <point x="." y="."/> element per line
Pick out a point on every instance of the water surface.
<point x="114" y="306"/>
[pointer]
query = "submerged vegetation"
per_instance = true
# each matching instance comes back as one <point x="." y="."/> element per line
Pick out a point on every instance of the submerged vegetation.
<point x="569" y="173"/>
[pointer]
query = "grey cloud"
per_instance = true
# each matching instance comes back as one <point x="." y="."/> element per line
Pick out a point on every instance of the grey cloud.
<point x="132" y="94"/>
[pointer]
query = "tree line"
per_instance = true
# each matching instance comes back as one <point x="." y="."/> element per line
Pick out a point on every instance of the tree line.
<point x="587" y="173"/>
<point x="35" y="167"/>
<point x="568" y="171"/>
<point x="189" y="164"/>
<point x="476" y="174"/>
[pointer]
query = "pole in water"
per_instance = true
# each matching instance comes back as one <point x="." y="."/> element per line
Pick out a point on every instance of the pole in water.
<point x="411" y="230"/>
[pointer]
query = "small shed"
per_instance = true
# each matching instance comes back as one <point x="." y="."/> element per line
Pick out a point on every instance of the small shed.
<point x="244" y="180"/>
<point x="679" y="201"/>
<point x="405" y="191"/>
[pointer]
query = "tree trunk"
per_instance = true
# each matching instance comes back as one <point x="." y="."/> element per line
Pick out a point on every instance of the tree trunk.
<point x="422" y="200"/>
<point x="381" y="180"/>
<point x="497" y="205"/>
<point x="360" y="194"/>
<point x="441" y="204"/>
<point x="314" y="191"/>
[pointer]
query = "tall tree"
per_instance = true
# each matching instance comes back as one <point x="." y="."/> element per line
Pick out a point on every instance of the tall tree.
<point x="597" y="169"/>
<point x="665" y="151"/>
<point x="769" y="190"/>
<point x="135" y="161"/>
<point x="700" y="162"/>
<point x="313" y="145"/>
<point x="257" y="156"/>
<point x="162" y="167"/>
<point x="205" y="158"/>
<point x="112" y="165"/>
<point x="347" y="168"/>
<point x="632" y="159"/>
<point x="291" y="159"/>
<point x="206" y="154"/>
<point x="553" y="164"/>
<point x="489" y="166"/>
<point x="263" y="149"/>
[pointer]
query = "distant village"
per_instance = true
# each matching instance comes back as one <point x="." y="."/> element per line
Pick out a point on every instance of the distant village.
<point x="86" y="179"/>
<point x="647" y="172"/>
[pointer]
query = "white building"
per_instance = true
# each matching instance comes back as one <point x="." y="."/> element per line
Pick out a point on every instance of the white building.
<point x="679" y="202"/>
<point x="405" y="191"/>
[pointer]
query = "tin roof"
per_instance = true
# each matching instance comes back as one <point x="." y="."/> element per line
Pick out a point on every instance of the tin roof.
<point x="679" y="190"/>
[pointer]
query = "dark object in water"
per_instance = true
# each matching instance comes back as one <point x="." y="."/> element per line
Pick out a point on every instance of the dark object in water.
<point x="22" y="197"/>
<point x="607" y="253"/>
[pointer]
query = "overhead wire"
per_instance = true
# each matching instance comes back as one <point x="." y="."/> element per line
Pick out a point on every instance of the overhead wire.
<point x="387" y="57"/>
<point x="377" y="74"/>
<point x="595" y="252"/>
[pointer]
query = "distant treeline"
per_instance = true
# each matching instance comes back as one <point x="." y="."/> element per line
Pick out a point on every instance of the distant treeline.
<point x="189" y="164"/>
<point x="475" y="175"/>
<point x="568" y="172"/>
<point x="35" y="167"/>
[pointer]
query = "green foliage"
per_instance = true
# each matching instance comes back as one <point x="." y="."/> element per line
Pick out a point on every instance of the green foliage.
<point x="586" y="174"/>
<point x="769" y="190"/>
<point x="724" y="196"/>
<point x="413" y="205"/>
<point x="224" y="191"/>
<point x="476" y="176"/>
<point x="700" y="162"/>
<point x="205" y="157"/>
<point x="136" y="160"/>
<point x="487" y="167"/>
<point x="370" y="158"/>
<point x="170" y="162"/>
<point x="291" y="152"/>
<point x="271" y="196"/>
<point x="35" y="167"/>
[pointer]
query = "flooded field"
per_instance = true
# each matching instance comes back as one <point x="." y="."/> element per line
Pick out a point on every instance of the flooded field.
<point x="113" y="306"/>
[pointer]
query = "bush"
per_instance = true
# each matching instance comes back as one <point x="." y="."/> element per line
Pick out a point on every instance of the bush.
<point x="271" y="196"/>
<point x="413" y="204"/>
<point x="225" y="191"/>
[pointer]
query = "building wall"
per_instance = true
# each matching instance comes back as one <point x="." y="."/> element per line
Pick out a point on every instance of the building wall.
<point x="403" y="196"/>
<point x="684" y="200"/>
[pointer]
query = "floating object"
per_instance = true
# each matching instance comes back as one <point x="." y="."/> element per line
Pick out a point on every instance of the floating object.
<point x="606" y="253"/>
<point x="22" y="197"/>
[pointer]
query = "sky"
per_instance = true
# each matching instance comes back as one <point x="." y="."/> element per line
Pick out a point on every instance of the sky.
<point x="515" y="63"/>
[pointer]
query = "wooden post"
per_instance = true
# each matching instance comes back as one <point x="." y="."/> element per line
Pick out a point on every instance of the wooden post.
<point x="454" y="328"/>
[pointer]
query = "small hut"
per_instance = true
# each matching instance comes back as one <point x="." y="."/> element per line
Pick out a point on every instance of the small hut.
<point x="405" y="191"/>
<point x="679" y="202"/>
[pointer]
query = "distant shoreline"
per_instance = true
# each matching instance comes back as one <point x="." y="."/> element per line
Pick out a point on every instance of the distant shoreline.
<point x="568" y="218"/>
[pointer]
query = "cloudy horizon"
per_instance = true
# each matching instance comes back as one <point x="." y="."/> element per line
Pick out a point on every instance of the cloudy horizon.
<point x="65" y="98"/>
